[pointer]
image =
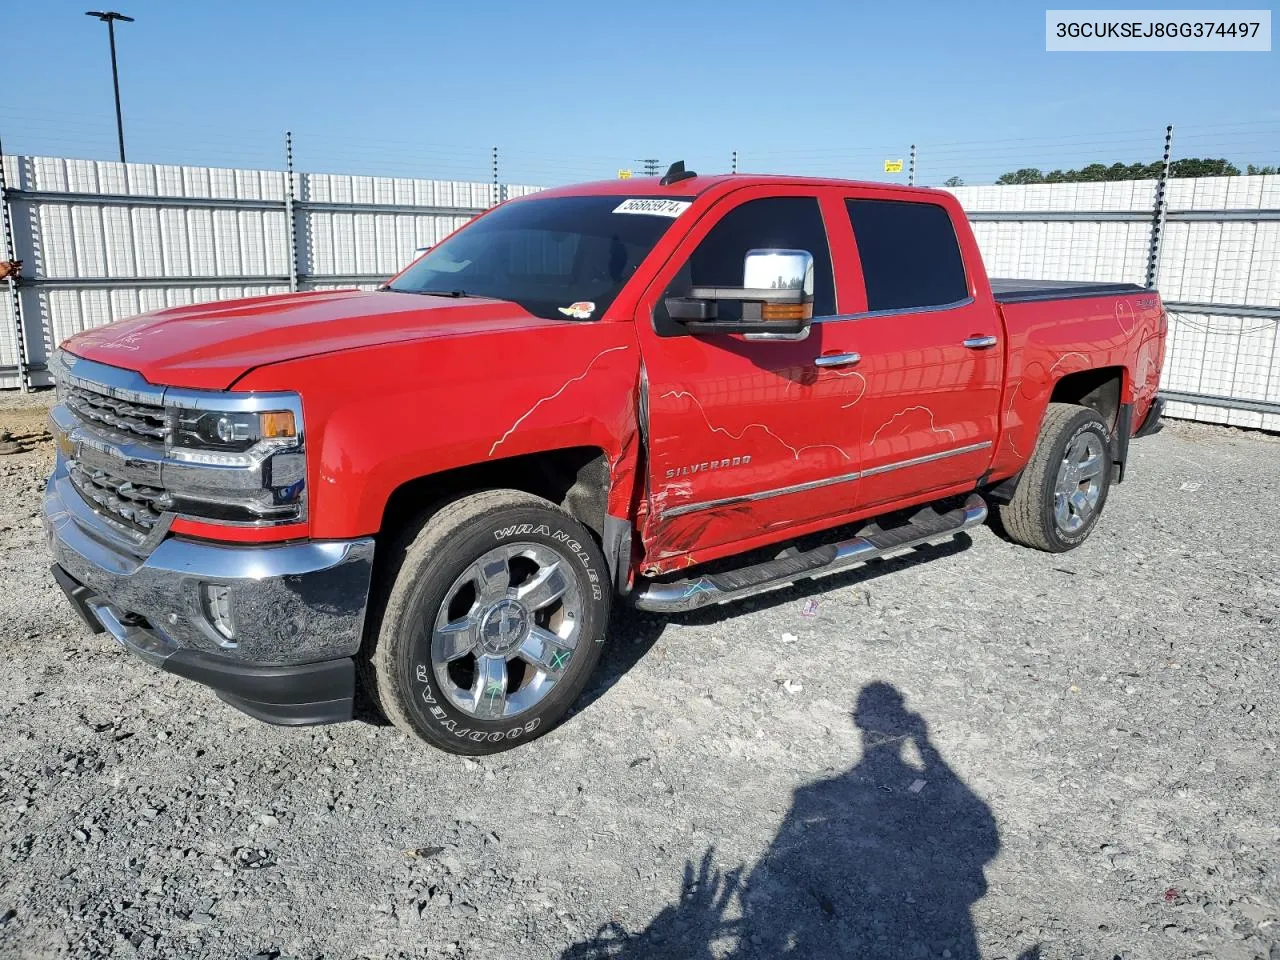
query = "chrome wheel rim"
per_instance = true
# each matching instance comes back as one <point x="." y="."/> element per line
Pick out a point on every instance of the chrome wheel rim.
<point x="1075" y="497"/>
<point x="507" y="631"/>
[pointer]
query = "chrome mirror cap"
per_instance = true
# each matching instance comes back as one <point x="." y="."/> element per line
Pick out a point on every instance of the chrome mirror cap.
<point x="778" y="270"/>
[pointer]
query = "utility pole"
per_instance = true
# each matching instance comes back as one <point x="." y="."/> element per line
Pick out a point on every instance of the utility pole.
<point x="911" y="176"/>
<point x="735" y="162"/>
<point x="650" y="167"/>
<point x="109" y="17"/>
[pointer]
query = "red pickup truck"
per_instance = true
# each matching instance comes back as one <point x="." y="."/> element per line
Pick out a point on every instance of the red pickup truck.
<point x="645" y="390"/>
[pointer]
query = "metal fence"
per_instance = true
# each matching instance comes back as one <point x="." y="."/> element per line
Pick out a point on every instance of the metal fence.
<point x="1210" y="245"/>
<point x="105" y="240"/>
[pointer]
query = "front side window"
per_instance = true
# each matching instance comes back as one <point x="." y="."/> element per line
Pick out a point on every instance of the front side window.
<point x="909" y="252"/>
<point x="557" y="257"/>
<point x="788" y="223"/>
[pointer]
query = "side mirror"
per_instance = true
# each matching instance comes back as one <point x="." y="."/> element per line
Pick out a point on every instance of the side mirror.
<point x="776" y="297"/>
<point x="779" y="270"/>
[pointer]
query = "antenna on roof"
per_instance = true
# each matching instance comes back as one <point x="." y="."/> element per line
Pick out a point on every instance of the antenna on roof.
<point x="675" y="173"/>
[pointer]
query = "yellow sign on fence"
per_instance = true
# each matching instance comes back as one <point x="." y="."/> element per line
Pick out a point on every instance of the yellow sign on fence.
<point x="624" y="174"/>
<point x="893" y="166"/>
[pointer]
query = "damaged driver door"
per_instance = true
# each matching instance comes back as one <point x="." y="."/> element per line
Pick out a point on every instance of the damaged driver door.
<point x="747" y="432"/>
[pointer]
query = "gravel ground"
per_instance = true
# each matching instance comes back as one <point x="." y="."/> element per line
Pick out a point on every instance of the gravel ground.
<point x="998" y="751"/>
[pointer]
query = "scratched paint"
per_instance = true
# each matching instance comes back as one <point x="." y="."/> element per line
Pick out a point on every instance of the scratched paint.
<point x="547" y="399"/>
<point x="677" y="490"/>
<point x="1067" y="356"/>
<point x="902" y="413"/>
<point x="1008" y="432"/>
<point x="795" y="451"/>
<point x="861" y="394"/>
<point x="839" y="374"/>
<point x="1125" y="317"/>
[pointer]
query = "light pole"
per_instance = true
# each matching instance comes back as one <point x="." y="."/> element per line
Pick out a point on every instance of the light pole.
<point x="109" y="17"/>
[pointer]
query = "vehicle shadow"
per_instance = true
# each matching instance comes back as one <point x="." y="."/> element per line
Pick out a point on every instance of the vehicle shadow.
<point x="885" y="860"/>
<point x="633" y="633"/>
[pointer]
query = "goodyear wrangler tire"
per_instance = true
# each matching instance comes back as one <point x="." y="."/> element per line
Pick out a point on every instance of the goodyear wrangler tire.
<point x="1064" y="486"/>
<point x="494" y="622"/>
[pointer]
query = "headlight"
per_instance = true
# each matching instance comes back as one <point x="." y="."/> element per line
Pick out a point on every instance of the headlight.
<point x="230" y="438"/>
<point x="237" y="459"/>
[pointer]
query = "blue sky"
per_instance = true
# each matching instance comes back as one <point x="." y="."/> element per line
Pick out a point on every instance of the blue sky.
<point x="575" y="90"/>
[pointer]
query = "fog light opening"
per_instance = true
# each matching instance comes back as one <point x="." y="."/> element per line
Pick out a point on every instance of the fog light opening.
<point x="216" y="599"/>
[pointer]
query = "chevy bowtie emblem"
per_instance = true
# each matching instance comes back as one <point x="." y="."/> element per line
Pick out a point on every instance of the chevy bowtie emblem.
<point x="66" y="446"/>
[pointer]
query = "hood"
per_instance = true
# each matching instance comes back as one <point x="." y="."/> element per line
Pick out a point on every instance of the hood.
<point x="211" y="345"/>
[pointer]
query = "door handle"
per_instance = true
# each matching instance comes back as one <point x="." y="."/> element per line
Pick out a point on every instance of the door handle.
<point x="981" y="342"/>
<point x="837" y="359"/>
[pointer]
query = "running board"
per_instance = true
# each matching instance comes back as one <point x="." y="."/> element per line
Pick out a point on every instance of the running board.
<point x="927" y="526"/>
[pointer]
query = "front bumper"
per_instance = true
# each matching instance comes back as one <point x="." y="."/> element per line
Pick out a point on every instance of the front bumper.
<point x="297" y="609"/>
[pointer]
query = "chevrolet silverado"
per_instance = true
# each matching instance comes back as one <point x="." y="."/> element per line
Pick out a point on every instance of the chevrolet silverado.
<point x="670" y="391"/>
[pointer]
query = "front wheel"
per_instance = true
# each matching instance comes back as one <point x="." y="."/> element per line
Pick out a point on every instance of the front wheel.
<point x="1064" y="486"/>
<point x="493" y="625"/>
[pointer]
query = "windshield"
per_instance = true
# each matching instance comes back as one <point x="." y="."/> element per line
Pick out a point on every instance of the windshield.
<point x="558" y="258"/>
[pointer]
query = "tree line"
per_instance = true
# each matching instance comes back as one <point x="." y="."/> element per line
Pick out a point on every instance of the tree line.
<point x="1095" y="172"/>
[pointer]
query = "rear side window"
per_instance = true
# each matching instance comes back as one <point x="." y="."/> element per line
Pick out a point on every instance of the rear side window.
<point x="909" y="252"/>
<point x="789" y="223"/>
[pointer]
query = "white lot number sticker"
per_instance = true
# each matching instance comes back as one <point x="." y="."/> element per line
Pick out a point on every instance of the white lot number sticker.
<point x="654" y="207"/>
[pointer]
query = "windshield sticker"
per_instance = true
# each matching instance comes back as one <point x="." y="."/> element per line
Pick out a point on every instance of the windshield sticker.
<point x="582" y="310"/>
<point x="654" y="207"/>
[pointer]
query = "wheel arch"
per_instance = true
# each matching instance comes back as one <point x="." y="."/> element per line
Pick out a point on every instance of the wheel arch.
<point x="1100" y="388"/>
<point x="574" y="478"/>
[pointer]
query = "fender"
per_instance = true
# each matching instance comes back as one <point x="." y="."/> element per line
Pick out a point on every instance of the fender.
<point x="1051" y="340"/>
<point x="562" y="386"/>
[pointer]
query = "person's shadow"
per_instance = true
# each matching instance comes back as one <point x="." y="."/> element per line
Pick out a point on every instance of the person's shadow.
<point x="883" y="861"/>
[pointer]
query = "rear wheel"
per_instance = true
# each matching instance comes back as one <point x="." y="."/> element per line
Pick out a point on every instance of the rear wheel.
<point x="493" y="625"/>
<point x="1064" y="487"/>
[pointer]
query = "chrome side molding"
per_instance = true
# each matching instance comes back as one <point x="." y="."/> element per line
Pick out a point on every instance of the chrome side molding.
<point x="824" y="482"/>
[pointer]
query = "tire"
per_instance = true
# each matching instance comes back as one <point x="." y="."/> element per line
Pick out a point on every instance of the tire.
<point x="441" y="600"/>
<point x="1035" y="516"/>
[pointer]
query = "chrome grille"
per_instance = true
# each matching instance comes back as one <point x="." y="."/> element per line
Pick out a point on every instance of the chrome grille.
<point x="135" y="505"/>
<point x="143" y="420"/>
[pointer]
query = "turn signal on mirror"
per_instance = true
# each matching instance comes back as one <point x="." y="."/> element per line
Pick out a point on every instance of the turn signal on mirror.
<point x="786" y="311"/>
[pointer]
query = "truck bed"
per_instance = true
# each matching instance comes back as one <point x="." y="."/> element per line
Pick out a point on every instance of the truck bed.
<point x="1026" y="291"/>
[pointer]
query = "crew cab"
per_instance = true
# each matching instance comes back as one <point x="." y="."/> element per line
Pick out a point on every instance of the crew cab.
<point x="667" y="392"/>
